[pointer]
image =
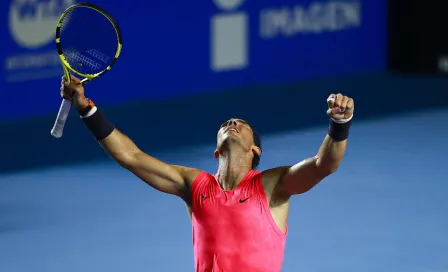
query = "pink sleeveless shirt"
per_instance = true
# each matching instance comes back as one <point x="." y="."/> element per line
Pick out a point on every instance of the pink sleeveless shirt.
<point x="234" y="230"/>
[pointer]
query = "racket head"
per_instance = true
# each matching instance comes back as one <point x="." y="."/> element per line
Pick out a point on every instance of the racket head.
<point x="88" y="41"/>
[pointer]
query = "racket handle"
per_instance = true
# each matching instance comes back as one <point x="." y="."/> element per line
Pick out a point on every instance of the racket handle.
<point x="59" y="124"/>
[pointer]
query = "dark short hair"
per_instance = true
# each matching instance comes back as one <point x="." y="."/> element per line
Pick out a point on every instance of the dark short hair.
<point x="257" y="141"/>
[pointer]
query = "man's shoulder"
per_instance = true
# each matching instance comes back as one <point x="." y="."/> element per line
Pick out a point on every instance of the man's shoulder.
<point x="271" y="177"/>
<point x="189" y="174"/>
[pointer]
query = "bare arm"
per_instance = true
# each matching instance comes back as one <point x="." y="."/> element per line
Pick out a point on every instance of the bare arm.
<point x="171" y="179"/>
<point x="166" y="178"/>
<point x="303" y="176"/>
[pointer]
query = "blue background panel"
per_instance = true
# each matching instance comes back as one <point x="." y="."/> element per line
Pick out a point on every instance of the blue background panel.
<point x="167" y="48"/>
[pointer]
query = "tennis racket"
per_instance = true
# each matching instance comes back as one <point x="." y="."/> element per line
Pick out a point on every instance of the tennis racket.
<point x="89" y="42"/>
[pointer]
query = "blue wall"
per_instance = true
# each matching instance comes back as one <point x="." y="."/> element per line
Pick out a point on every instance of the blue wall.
<point x="160" y="125"/>
<point x="176" y="48"/>
<point x="187" y="67"/>
<point x="182" y="73"/>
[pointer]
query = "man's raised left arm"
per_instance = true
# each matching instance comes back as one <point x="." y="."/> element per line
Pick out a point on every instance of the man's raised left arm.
<point x="304" y="175"/>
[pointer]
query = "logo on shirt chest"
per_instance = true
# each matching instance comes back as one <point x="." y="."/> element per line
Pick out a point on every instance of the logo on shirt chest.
<point x="204" y="197"/>
<point x="226" y="198"/>
<point x="242" y="200"/>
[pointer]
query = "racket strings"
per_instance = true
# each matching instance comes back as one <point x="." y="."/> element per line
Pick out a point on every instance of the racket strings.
<point x="88" y="40"/>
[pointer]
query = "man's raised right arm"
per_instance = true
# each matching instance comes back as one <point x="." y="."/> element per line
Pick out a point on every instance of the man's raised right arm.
<point x="171" y="179"/>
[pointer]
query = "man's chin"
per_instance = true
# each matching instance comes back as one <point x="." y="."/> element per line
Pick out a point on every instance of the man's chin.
<point x="230" y="140"/>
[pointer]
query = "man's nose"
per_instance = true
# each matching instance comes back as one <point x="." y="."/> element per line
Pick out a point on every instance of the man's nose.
<point x="232" y="122"/>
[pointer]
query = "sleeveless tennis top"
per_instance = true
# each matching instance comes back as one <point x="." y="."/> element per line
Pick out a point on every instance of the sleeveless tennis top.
<point x="234" y="230"/>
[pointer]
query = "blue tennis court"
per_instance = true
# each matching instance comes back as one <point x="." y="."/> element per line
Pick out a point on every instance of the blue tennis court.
<point x="385" y="210"/>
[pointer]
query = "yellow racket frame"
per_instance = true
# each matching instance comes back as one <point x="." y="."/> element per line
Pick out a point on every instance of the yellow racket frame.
<point x="65" y="64"/>
<point x="64" y="109"/>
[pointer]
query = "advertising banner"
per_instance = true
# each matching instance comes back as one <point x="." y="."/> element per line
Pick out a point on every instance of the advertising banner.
<point x="178" y="48"/>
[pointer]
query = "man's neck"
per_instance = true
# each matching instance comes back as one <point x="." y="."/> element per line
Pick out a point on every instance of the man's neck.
<point x="233" y="167"/>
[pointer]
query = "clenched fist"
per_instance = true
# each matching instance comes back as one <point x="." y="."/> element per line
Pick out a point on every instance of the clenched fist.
<point x="340" y="106"/>
<point x="74" y="91"/>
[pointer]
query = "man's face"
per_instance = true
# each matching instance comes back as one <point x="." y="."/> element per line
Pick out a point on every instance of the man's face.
<point x="236" y="131"/>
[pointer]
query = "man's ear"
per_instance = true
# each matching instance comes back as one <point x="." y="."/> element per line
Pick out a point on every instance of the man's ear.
<point x="256" y="150"/>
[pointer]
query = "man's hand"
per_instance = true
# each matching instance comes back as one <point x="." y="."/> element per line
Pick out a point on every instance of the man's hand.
<point x="340" y="106"/>
<point x="74" y="91"/>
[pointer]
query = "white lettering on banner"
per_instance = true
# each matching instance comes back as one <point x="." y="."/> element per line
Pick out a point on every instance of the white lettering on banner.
<point x="228" y="4"/>
<point x="229" y="37"/>
<point x="317" y="18"/>
<point x="32" y="61"/>
<point x="32" y="25"/>
<point x="229" y="42"/>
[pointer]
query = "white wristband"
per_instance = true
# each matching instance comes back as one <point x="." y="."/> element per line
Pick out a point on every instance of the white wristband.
<point x="90" y="113"/>
<point x="342" y="121"/>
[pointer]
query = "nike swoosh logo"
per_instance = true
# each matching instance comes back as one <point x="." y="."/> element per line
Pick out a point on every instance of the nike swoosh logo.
<point x="244" y="200"/>
<point x="204" y="197"/>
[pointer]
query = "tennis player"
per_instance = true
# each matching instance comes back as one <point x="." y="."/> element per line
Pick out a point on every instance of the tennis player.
<point x="239" y="214"/>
